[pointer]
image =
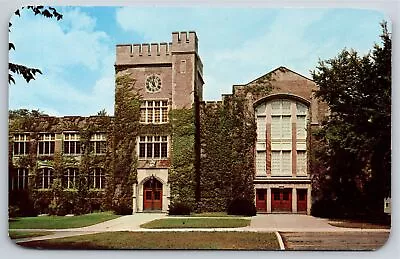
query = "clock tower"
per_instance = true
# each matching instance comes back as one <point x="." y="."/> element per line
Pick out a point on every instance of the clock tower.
<point x="167" y="76"/>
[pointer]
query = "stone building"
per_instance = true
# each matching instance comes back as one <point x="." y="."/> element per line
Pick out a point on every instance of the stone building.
<point x="168" y="77"/>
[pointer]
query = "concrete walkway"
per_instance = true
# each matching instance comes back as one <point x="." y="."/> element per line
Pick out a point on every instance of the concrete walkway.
<point x="259" y="223"/>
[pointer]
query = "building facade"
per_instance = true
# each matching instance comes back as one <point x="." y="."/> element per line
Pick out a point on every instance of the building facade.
<point x="169" y="77"/>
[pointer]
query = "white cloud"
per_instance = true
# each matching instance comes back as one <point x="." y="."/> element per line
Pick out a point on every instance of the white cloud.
<point x="76" y="61"/>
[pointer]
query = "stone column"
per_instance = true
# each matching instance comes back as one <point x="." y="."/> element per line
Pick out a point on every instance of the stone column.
<point x="294" y="200"/>
<point x="134" y="201"/>
<point x="269" y="200"/>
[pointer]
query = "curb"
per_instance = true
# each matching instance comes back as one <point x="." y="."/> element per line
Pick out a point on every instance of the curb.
<point x="280" y="241"/>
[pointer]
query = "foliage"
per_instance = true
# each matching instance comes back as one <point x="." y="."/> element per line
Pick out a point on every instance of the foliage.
<point x="353" y="152"/>
<point x="179" y="208"/>
<point x="126" y="126"/>
<point x="57" y="200"/>
<point x="242" y="206"/>
<point x="102" y="112"/>
<point x="228" y="134"/>
<point x="27" y="72"/>
<point x="182" y="171"/>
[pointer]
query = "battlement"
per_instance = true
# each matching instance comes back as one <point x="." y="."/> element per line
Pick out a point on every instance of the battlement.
<point x="156" y="53"/>
<point x="184" y="41"/>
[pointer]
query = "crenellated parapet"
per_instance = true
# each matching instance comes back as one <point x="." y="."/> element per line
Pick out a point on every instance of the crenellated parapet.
<point x="156" y="53"/>
<point x="184" y="42"/>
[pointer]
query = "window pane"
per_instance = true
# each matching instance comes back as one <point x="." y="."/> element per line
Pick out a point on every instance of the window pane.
<point x="150" y="115"/>
<point x="261" y="128"/>
<point x="164" y="115"/>
<point x="149" y="150"/>
<point x="163" y="150"/>
<point x="157" y="118"/>
<point x="276" y="127"/>
<point x="142" y="115"/>
<point x="286" y="127"/>
<point x="261" y="163"/>
<point x="276" y="162"/>
<point x="301" y="126"/>
<point x="142" y="150"/>
<point x="157" y="195"/>
<point x="286" y="163"/>
<point x="157" y="150"/>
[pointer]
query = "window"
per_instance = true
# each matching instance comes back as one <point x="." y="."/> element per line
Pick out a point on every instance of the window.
<point x="261" y="168"/>
<point x="301" y="122"/>
<point x="46" y="144"/>
<point x="19" y="179"/>
<point x="72" y="145"/>
<point x="277" y="195"/>
<point x="97" y="179"/>
<point x="70" y="178"/>
<point x="98" y="143"/>
<point x="45" y="179"/>
<point x="281" y="163"/>
<point x="301" y="162"/>
<point x="21" y="144"/>
<point x="154" y="112"/>
<point x="182" y="68"/>
<point x="261" y="128"/>
<point x="281" y="115"/>
<point x="153" y="147"/>
<point x="260" y="195"/>
<point x="286" y="195"/>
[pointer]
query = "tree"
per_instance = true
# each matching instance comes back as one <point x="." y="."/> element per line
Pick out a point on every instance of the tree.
<point x="102" y="112"/>
<point x="355" y="141"/>
<point x="27" y="72"/>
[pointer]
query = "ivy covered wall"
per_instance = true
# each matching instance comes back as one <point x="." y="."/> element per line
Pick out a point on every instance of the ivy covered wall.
<point x="228" y="134"/>
<point x="56" y="199"/>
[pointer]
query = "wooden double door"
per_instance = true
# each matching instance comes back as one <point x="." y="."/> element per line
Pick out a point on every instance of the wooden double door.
<point x="152" y="195"/>
<point x="281" y="200"/>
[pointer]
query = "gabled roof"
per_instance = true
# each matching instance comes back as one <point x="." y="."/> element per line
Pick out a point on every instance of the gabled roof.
<point x="282" y="69"/>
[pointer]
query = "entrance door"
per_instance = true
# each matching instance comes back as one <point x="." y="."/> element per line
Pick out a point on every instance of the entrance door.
<point x="281" y="200"/>
<point x="261" y="200"/>
<point x="152" y="195"/>
<point x="302" y="200"/>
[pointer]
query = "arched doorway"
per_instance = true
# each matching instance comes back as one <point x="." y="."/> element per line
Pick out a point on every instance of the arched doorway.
<point x="152" y="194"/>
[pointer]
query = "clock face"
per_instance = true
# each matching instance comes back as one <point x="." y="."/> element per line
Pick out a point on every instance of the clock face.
<point x="153" y="84"/>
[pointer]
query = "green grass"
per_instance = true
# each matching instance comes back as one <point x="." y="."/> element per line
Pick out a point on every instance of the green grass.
<point x="23" y="234"/>
<point x="197" y="223"/>
<point x="60" y="222"/>
<point x="212" y="214"/>
<point x="163" y="240"/>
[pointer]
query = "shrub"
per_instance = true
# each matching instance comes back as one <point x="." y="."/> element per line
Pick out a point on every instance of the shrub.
<point x="242" y="206"/>
<point x="179" y="208"/>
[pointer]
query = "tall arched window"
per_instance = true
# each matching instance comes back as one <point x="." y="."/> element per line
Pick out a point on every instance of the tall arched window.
<point x="281" y="137"/>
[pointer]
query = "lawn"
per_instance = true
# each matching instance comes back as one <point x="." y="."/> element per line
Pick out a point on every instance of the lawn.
<point x="23" y="234"/>
<point x="60" y="222"/>
<point x="197" y="223"/>
<point x="163" y="240"/>
<point x="213" y="214"/>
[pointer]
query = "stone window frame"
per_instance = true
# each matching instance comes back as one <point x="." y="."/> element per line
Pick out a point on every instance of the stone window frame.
<point x="21" y="141"/>
<point x="70" y="138"/>
<point x="46" y="178"/>
<point x="19" y="179"/>
<point x="145" y="141"/>
<point x="46" y="144"/>
<point x="98" y="143"/>
<point x="152" y="108"/>
<point x="97" y="179"/>
<point x="70" y="178"/>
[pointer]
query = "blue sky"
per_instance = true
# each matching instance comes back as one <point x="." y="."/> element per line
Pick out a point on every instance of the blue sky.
<point x="237" y="45"/>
